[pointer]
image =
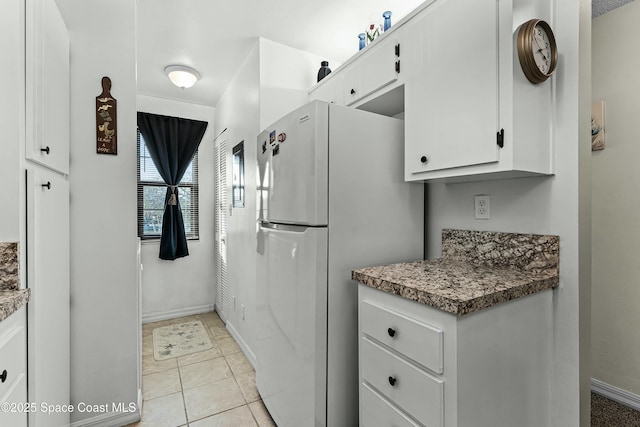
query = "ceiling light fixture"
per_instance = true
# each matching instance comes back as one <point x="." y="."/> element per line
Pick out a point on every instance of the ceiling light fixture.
<point x="182" y="76"/>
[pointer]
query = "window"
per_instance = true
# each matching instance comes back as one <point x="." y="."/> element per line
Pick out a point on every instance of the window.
<point x="237" y="184"/>
<point x="152" y="191"/>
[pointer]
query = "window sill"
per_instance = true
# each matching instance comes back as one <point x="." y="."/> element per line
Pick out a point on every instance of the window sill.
<point x="156" y="241"/>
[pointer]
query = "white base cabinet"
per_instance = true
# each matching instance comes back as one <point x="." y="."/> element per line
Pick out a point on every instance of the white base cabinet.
<point x="13" y="370"/>
<point x="420" y="366"/>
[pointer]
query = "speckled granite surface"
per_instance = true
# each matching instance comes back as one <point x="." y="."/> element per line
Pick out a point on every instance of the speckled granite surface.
<point x="9" y="266"/>
<point x="11" y="296"/>
<point x="477" y="270"/>
<point x="11" y="301"/>
<point x="529" y="252"/>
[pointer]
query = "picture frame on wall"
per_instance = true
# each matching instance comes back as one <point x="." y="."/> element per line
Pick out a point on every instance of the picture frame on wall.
<point x="237" y="183"/>
<point x="597" y="126"/>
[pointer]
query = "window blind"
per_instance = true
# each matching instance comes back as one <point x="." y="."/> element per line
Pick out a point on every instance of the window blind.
<point x="151" y="196"/>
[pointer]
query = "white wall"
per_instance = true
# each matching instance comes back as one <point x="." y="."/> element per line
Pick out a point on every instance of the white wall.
<point x="554" y="205"/>
<point x="283" y="88"/>
<point x="104" y="300"/>
<point x="616" y="247"/>
<point x="186" y="285"/>
<point x="238" y="112"/>
<point x="273" y="80"/>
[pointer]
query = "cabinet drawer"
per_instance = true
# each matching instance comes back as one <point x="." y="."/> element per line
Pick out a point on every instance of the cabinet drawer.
<point x="412" y="338"/>
<point x="377" y="411"/>
<point x="415" y="391"/>
<point x="13" y="353"/>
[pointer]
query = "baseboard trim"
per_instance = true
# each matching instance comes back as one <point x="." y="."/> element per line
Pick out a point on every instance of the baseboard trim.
<point x="617" y="394"/>
<point x="110" y="419"/>
<point x="172" y="314"/>
<point x="251" y="357"/>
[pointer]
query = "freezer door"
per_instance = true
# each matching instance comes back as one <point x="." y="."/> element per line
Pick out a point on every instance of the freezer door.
<point x="293" y="167"/>
<point x="291" y="306"/>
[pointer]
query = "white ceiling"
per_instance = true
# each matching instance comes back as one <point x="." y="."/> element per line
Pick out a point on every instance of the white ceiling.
<point x="215" y="36"/>
<point x="600" y="7"/>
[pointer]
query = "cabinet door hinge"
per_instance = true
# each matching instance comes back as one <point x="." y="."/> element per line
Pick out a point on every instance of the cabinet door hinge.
<point x="398" y="50"/>
<point x="500" y="138"/>
<point x="398" y="66"/>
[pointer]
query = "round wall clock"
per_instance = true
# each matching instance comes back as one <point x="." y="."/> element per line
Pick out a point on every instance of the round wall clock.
<point x="537" y="50"/>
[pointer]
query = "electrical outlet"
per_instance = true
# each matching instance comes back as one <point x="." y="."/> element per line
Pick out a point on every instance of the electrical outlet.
<point x="482" y="207"/>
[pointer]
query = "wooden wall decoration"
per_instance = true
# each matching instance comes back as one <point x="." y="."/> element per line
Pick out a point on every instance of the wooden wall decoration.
<point x="106" y="120"/>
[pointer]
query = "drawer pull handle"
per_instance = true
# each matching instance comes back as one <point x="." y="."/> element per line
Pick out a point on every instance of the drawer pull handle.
<point x="424" y="159"/>
<point x="3" y="377"/>
<point x="46" y="149"/>
<point x="391" y="332"/>
<point x="353" y="92"/>
<point x="392" y="381"/>
<point x="47" y="185"/>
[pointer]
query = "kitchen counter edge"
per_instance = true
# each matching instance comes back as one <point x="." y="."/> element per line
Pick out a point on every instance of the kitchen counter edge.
<point x="12" y="300"/>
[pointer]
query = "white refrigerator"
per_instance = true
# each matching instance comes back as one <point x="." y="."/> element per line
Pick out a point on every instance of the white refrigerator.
<point x="331" y="199"/>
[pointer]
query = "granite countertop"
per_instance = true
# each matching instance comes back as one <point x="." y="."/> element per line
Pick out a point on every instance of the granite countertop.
<point x="478" y="270"/>
<point x="12" y="298"/>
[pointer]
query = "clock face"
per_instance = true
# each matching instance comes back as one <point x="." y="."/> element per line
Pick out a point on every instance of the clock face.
<point x="541" y="49"/>
<point x="537" y="50"/>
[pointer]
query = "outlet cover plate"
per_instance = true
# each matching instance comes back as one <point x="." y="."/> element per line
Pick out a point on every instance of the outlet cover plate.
<point x="482" y="207"/>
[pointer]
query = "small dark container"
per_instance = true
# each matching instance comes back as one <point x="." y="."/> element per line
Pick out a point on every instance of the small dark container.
<point x="324" y="70"/>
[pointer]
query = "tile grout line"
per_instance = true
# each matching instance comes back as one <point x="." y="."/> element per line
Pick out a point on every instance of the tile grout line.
<point x="215" y="340"/>
<point x="184" y="401"/>
<point x="233" y="374"/>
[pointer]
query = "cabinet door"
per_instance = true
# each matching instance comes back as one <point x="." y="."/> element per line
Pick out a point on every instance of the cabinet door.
<point x="451" y="99"/>
<point x="47" y="77"/>
<point x="48" y="277"/>
<point x="375" y="69"/>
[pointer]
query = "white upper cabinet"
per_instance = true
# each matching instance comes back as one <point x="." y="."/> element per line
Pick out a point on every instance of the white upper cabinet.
<point x="451" y="96"/>
<point x="470" y="113"/>
<point x="47" y="77"/>
<point x="371" y="72"/>
<point x="375" y="69"/>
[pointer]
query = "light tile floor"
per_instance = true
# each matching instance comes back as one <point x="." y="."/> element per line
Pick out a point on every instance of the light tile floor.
<point x="212" y="388"/>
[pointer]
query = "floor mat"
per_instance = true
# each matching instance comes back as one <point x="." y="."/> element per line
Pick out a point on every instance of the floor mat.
<point x="179" y="340"/>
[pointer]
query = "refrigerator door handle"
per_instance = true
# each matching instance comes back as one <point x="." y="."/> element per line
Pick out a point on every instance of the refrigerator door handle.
<point x="284" y="227"/>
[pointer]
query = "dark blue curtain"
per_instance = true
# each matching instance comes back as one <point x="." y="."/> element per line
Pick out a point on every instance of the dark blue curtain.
<point x="172" y="143"/>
